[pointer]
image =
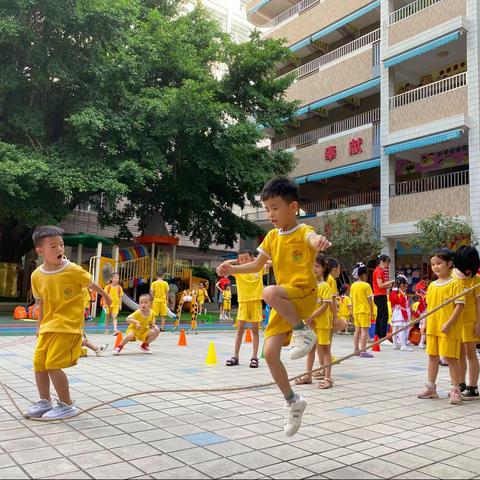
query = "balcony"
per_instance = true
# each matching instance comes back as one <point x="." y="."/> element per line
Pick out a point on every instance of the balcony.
<point x="260" y="12"/>
<point x="309" y="21"/>
<point x="417" y="199"/>
<point x="429" y="103"/>
<point x="422" y="15"/>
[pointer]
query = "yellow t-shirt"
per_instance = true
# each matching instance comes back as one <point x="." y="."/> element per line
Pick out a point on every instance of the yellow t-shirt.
<point x="438" y="293"/>
<point x="324" y="295"/>
<point x="145" y="322"/>
<point x="360" y="292"/>
<point x="292" y="256"/>
<point x="116" y="294"/>
<point x="227" y="295"/>
<point x="86" y="298"/>
<point x="344" y="302"/>
<point x="62" y="295"/>
<point x="201" y="295"/>
<point x="332" y="283"/>
<point x="469" y="313"/>
<point x="160" y="290"/>
<point x="249" y="286"/>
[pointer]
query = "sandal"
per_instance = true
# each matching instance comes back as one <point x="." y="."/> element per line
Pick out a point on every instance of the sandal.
<point x="232" y="362"/>
<point x="318" y="374"/>
<point x="254" y="362"/>
<point x="303" y="380"/>
<point x="325" y="384"/>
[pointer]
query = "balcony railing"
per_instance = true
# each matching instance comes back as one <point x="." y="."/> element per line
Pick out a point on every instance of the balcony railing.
<point x="410" y="9"/>
<point x="344" y="50"/>
<point x="430" y="90"/>
<point x="352" y="200"/>
<point x="365" y="118"/>
<point x="291" y="12"/>
<point x="376" y="54"/>
<point x="447" y="180"/>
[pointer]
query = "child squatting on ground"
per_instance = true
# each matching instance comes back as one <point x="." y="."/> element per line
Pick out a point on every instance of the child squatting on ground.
<point x="57" y="286"/>
<point x="292" y="248"/>
<point x="141" y="326"/>
<point x="444" y="327"/>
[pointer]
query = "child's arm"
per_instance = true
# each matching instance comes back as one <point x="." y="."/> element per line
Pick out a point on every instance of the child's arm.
<point x="100" y="291"/>
<point x="370" y="304"/>
<point x="456" y="313"/>
<point x="134" y="321"/>
<point x="319" y="242"/>
<point x="39" y="302"/>
<point x="477" y="325"/>
<point x="252" y="267"/>
<point x="206" y="295"/>
<point x="316" y="313"/>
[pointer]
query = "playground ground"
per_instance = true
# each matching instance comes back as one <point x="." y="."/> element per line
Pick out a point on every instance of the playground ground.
<point x="369" y="425"/>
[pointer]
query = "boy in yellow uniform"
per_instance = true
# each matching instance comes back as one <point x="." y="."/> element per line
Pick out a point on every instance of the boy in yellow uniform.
<point x="361" y="294"/>
<point x="202" y="295"/>
<point x="116" y="293"/>
<point x="345" y="310"/>
<point x="57" y="286"/>
<point x="159" y="293"/>
<point x="141" y="326"/>
<point x="292" y="248"/>
<point x="227" y="302"/>
<point x="249" y="290"/>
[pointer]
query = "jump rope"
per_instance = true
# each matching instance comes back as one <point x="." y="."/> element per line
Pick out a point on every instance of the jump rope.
<point x="257" y="386"/>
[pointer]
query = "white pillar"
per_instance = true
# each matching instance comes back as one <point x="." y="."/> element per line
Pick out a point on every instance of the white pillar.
<point x="152" y="263"/>
<point x="79" y="254"/>
<point x="96" y="276"/>
<point x="174" y="259"/>
<point x="115" y="254"/>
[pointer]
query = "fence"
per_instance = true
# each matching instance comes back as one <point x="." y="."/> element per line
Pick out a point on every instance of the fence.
<point x="291" y="12"/>
<point x="410" y="9"/>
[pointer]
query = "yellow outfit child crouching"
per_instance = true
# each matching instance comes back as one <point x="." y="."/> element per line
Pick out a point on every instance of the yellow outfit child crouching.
<point x="145" y="325"/>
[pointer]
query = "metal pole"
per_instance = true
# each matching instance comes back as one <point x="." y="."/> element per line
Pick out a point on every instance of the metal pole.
<point x="79" y="254"/>
<point x="97" y="276"/>
<point x="152" y="263"/>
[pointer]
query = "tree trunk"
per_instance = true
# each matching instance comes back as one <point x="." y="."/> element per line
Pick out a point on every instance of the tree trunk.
<point x="15" y="241"/>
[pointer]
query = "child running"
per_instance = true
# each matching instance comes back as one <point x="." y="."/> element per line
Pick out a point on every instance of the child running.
<point x="115" y="291"/>
<point x="141" y="326"/>
<point x="88" y="344"/>
<point x="401" y="313"/>
<point x="467" y="263"/>
<point x="227" y="303"/>
<point x="57" y="286"/>
<point x="362" y="300"/>
<point x="202" y="295"/>
<point x="159" y="293"/>
<point x="444" y="327"/>
<point x="292" y="247"/>
<point x="249" y="289"/>
<point x="320" y="321"/>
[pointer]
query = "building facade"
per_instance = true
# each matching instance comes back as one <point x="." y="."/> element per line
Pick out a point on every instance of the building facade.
<point x="388" y="121"/>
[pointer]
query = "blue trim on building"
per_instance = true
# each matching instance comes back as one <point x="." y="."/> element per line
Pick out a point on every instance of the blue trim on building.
<point x="258" y="6"/>
<point x="423" y="142"/>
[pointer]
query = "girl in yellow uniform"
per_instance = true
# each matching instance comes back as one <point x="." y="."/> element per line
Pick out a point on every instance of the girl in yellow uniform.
<point x="467" y="263"/>
<point x="320" y="321"/>
<point x="444" y="327"/>
<point x="345" y="308"/>
<point x="116" y="293"/>
<point x="361" y="294"/>
<point x="227" y="302"/>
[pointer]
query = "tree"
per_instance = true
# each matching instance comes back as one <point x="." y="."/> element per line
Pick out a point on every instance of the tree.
<point x="109" y="100"/>
<point x="353" y="237"/>
<point x="442" y="231"/>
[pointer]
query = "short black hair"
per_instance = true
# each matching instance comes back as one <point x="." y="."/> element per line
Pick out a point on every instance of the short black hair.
<point x="342" y="290"/>
<point x="160" y="273"/>
<point x="361" y="269"/>
<point x="245" y="251"/>
<point x="145" y="295"/>
<point x="333" y="263"/>
<point x="45" y="231"/>
<point x="322" y="260"/>
<point x="444" y="253"/>
<point x="384" y="258"/>
<point x="466" y="259"/>
<point x="401" y="280"/>
<point x="281" y="186"/>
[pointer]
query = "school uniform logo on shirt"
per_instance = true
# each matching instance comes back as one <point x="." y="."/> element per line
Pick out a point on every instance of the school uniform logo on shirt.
<point x="297" y="256"/>
<point x="68" y="293"/>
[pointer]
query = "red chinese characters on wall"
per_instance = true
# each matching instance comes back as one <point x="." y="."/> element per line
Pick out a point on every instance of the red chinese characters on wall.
<point x="331" y="153"/>
<point x="354" y="148"/>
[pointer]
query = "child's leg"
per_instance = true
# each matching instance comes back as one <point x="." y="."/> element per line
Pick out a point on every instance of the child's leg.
<point x="91" y="346"/>
<point x="454" y="369"/>
<point x="356" y="339"/>
<point x="60" y="383"/>
<point x="127" y="338"/>
<point x="152" y="334"/>
<point x="463" y="362"/>
<point x="162" y="323"/>
<point x="325" y="357"/>
<point x="273" y="347"/>
<point x="363" y="339"/>
<point x="473" y="364"/>
<point x="107" y="318"/>
<point x="114" y="321"/>
<point x="433" y="365"/>
<point x="43" y="385"/>
<point x="239" y="338"/>
<point x="277" y="298"/>
<point x="255" y="338"/>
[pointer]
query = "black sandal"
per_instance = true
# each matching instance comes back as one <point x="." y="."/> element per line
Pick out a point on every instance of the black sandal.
<point x="232" y="362"/>
<point x="254" y="363"/>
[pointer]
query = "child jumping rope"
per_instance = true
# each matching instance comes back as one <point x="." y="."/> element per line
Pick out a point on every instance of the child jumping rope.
<point x="401" y="314"/>
<point x="292" y="247"/>
<point x="361" y="294"/>
<point x="467" y="263"/>
<point x="443" y="328"/>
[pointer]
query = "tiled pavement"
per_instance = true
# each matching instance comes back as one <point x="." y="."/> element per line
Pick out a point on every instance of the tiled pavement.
<point x="370" y="425"/>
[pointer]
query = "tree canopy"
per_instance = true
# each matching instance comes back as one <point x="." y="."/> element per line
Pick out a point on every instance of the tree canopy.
<point x="122" y="100"/>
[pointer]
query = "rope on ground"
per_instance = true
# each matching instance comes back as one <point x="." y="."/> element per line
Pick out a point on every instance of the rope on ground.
<point x="258" y="386"/>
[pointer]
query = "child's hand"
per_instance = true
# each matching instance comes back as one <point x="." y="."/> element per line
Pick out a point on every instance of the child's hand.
<point x="319" y="242"/>
<point x="309" y="322"/>
<point x="224" y="269"/>
<point x="108" y="300"/>
<point x="137" y="324"/>
<point x="477" y="329"/>
<point x="446" y="327"/>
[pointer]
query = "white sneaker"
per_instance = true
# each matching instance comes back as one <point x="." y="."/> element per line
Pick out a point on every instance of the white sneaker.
<point x="101" y="349"/>
<point x="38" y="409"/>
<point x="293" y="416"/>
<point x="60" y="411"/>
<point x="423" y="346"/>
<point x="406" y="348"/>
<point x="302" y="342"/>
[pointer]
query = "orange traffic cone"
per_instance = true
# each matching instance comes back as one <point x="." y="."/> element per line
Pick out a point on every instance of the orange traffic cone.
<point x="248" y="336"/>
<point x="182" y="340"/>
<point x="118" y="340"/>
<point x="375" y="348"/>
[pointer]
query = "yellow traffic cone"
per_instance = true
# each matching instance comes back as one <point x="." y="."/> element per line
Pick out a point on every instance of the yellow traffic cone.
<point x="211" y="355"/>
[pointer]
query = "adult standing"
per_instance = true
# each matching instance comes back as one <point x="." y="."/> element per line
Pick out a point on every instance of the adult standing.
<point x="380" y="286"/>
<point x="221" y="285"/>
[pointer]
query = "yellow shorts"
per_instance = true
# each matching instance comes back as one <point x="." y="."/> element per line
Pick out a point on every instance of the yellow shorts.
<point x="140" y="334"/>
<point x="227" y="304"/>
<point x="443" y="346"/>
<point x="304" y="302"/>
<point x="468" y="333"/>
<point x="112" y="310"/>
<point x="362" y="320"/>
<point x="250" y="311"/>
<point x="56" y="350"/>
<point x="159" y="308"/>
<point x="323" y="336"/>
